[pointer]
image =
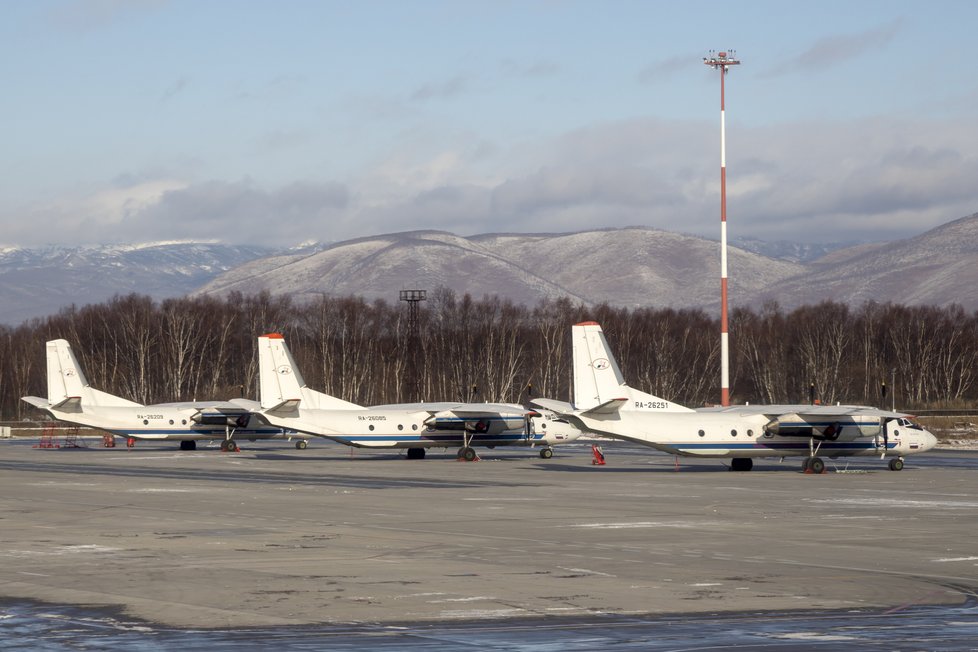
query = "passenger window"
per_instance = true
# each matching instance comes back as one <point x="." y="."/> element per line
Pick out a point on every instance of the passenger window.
<point x="370" y="427"/>
<point x="702" y="434"/>
<point x="733" y="433"/>
<point x="750" y="433"/>
<point x="400" y="427"/>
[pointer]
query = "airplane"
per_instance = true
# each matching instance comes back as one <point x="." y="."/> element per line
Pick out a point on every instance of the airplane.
<point x="287" y="402"/>
<point x="605" y="405"/>
<point x="71" y="399"/>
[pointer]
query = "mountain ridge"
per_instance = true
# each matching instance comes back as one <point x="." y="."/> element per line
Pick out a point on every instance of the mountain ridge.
<point x="628" y="267"/>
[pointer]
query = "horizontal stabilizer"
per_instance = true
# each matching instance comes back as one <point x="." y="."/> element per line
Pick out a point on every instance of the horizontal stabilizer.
<point x="608" y="407"/>
<point x="70" y="404"/>
<point x="557" y="407"/>
<point x="289" y="407"/>
<point x="36" y="401"/>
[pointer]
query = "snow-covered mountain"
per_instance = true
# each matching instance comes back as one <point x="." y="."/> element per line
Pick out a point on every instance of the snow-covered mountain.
<point x="939" y="267"/>
<point x="796" y="252"/>
<point x="39" y="282"/>
<point x="628" y="267"/>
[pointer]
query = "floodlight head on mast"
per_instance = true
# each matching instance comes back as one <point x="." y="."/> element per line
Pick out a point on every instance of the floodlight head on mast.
<point x="722" y="59"/>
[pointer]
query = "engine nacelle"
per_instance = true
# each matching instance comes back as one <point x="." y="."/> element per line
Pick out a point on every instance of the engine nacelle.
<point x="489" y="423"/>
<point x="826" y="428"/>
<point x="221" y="419"/>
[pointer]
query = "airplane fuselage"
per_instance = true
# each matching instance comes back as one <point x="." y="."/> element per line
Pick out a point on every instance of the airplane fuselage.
<point x="696" y="434"/>
<point x="165" y="423"/>
<point x="380" y="428"/>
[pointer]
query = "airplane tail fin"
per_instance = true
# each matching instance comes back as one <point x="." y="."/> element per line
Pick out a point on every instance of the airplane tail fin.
<point x="67" y="387"/>
<point x="282" y="388"/>
<point x="598" y="383"/>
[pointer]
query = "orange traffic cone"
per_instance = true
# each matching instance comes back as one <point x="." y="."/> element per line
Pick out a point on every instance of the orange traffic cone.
<point x="598" y="455"/>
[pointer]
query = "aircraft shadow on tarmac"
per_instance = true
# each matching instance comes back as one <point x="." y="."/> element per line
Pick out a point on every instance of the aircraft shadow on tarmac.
<point x="693" y="468"/>
<point x="262" y="477"/>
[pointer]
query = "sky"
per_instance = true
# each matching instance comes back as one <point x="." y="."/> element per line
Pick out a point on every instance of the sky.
<point x="279" y="123"/>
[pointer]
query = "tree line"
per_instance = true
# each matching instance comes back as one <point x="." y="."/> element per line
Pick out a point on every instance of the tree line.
<point x="464" y="349"/>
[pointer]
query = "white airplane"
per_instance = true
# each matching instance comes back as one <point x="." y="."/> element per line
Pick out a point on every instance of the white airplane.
<point x="71" y="399"/>
<point x="605" y="405"/>
<point x="287" y="402"/>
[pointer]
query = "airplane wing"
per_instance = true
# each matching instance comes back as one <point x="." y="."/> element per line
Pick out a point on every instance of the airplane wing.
<point x="477" y="417"/>
<point x="226" y="407"/>
<point x="566" y="409"/>
<point x="469" y="409"/>
<point x="805" y="410"/>
<point x="558" y="407"/>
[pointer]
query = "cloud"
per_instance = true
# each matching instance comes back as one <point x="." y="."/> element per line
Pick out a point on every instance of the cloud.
<point x="174" y="89"/>
<point x="443" y="90"/>
<point x="856" y="180"/>
<point x="816" y="181"/>
<point x="234" y="212"/>
<point x="666" y="68"/>
<point x="533" y="70"/>
<point x="833" y="50"/>
<point x="240" y="212"/>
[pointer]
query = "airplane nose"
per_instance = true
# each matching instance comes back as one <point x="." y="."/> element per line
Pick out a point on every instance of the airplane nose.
<point x="930" y="441"/>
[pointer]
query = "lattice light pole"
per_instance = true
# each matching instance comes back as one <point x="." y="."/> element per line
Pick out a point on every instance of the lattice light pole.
<point x="721" y="61"/>
<point x="413" y="299"/>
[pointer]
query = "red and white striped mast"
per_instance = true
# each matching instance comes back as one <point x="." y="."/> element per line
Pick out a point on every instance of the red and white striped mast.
<point x="720" y="61"/>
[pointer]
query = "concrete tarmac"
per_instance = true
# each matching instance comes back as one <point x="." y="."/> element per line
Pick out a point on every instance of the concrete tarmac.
<point x="277" y="536"/>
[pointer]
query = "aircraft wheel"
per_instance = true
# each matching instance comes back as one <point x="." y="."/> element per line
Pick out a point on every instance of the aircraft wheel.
<point x="816" y="465"/>
<point x="468" y="454"/>
<point x="741" y="464"/>
<point x="896" y="464"/>
<point x="418" y="453"/>
<point x="301" y="444"/>
<point x="546" y="453"/>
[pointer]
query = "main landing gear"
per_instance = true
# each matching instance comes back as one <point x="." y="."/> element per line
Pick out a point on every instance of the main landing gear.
<point x="188" y="445"/>
<point x="813" y="465"/>
<point x="466" y="452"/>
<point x="415" y="453"/>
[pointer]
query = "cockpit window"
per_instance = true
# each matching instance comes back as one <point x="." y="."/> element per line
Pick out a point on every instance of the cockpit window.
<point x="907" y="423"/>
